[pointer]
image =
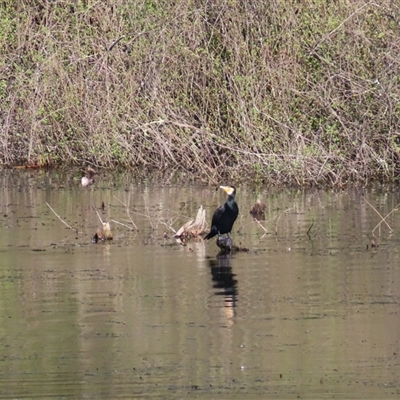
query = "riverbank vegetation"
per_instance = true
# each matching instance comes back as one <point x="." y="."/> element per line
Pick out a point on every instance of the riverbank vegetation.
<point x="278" y="91"/>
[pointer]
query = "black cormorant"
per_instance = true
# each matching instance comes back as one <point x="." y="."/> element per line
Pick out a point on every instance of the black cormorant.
<point x="225" y="215"/>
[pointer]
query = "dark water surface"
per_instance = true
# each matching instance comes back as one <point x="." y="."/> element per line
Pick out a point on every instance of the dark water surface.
<point x="299" y="316"/>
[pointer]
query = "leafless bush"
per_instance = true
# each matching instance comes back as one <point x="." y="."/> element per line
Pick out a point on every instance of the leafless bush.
<point x="291" y="92"/>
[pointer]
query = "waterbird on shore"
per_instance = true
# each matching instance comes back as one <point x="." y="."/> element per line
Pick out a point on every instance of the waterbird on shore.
<point x="225" y="215"/>
<point x="257" y="211"/>
<point x="88" y="178"/>
<point x="258" y="208"/>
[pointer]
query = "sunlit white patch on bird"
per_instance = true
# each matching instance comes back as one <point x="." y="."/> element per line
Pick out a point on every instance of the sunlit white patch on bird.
<point x="88" y="178"/>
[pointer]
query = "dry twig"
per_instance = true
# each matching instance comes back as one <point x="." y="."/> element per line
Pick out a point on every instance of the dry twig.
<point x="69" y="226"/>
<point x="277" y="221"/>
<point x="98" y="215"/>
<point x="383" y="219"/>
<point x="120" y="223"/>
<point x="127" y="210"/>
<point x="262" y="227"/>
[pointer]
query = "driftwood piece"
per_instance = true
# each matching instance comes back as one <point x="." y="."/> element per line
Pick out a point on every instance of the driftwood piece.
<point x="193" y="228"/>
<point x="103" y="234"/>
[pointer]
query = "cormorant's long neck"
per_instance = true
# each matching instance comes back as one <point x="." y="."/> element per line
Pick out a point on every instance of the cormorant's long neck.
<point x="231" y="201"/>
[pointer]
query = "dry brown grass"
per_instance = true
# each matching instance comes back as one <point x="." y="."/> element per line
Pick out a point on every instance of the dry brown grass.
<point x="282" y="92"/>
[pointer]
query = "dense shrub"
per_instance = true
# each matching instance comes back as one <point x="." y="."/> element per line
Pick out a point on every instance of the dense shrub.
<point x="281" y="91"/>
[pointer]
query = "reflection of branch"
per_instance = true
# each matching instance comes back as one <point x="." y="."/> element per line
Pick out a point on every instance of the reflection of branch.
<point x="70" y="227"/>
<point x="383" y="219"/>
<point x="158" y="221"/>
<point x="309" y="229"/>
<point x="127" y="211"/>
<point x="148" y="212"/>
<point x="276" y="226"/>
<point x="120" y="223"/>
<point x="167" y="225"/>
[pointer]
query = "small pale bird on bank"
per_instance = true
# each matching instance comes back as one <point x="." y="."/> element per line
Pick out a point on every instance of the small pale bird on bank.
<point x="88" y="178"/>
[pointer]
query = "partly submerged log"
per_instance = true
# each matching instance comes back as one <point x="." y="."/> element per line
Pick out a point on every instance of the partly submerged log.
<point x="193" y="228"/>
<point x="224" y="243"/>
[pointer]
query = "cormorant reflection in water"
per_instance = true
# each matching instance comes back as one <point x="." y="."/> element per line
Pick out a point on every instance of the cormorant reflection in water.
<point x="223" y="278"/>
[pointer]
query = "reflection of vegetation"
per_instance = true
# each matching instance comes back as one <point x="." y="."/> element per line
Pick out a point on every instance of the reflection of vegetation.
<point x="300" y="93"/>
<point x="9" y="283"/>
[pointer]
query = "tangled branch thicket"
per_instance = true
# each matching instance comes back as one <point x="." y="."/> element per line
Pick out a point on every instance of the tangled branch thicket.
<point x="280" y="91"/>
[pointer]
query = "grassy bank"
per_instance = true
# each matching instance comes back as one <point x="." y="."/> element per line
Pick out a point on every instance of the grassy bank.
<point x="280" y="91"/>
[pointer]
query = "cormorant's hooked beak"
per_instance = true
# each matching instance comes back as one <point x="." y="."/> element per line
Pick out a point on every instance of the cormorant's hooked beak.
<point x="228" y="189"/>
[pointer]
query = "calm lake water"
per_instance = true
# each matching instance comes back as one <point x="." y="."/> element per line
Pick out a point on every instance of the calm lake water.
<point x="308" y="312"/>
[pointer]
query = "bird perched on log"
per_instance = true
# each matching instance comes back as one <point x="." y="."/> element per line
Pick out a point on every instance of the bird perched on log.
<point x="225" y="215"/>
